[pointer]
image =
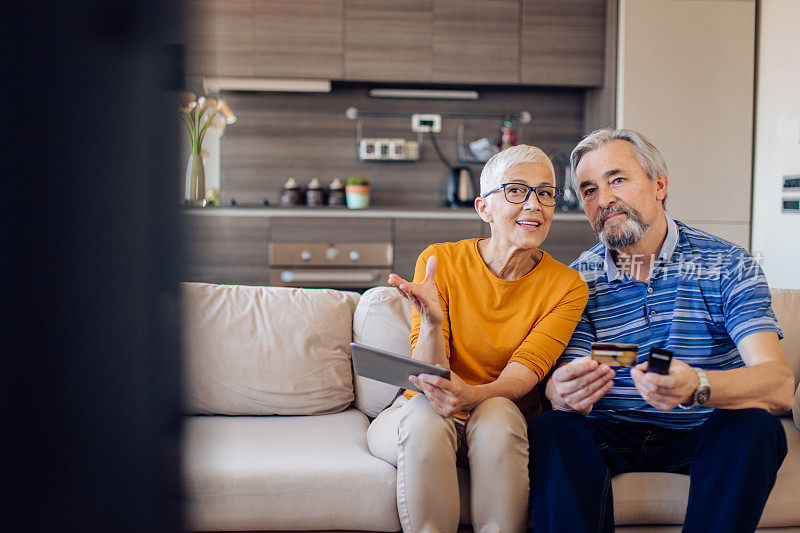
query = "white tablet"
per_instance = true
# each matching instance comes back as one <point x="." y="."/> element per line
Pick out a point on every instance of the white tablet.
<point x="389" y="367"/>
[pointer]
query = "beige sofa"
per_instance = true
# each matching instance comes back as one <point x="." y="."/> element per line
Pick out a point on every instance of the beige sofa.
<point x="275" y="432"/>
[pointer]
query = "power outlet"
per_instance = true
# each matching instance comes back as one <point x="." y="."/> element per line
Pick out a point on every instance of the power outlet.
<point x="426" y="123"/>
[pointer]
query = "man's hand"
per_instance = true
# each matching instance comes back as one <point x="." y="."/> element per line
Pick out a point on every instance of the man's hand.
<point x="424" y="296"/>
<point x="665" y="392"/>
<point x="447" y="396"/>
<point x="579" y="384"/>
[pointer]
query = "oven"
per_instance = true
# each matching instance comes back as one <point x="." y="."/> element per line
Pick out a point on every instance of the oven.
<point x="335" y="265"/>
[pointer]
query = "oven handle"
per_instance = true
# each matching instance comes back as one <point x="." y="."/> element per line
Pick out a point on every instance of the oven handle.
<point x="353" y="276"/>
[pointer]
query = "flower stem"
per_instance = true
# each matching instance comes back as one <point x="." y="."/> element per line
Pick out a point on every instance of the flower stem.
<point x="191" y="136"/>
<point x="205" y="127"/>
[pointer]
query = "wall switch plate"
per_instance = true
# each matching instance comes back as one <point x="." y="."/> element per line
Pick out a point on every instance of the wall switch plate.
<point x="426" y="123"/>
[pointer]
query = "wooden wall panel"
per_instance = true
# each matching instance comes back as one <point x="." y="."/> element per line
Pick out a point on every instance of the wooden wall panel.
<point x="476" y="41"/>
<point x="297" y="39"/>
<point x="563" y="42"/>
<point x="308" y="136"/>
<point x="388" y="40"/>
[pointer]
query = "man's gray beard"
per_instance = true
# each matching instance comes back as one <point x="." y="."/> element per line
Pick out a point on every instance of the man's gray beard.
<point x="632" y="231"/>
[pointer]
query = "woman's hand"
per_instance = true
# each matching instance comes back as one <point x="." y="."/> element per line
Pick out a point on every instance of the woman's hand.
<point x="447" y="396"/>
<point x="423" y="296"/>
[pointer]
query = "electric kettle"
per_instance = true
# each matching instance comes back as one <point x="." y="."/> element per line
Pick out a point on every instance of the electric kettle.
<point x="461" y="188"/>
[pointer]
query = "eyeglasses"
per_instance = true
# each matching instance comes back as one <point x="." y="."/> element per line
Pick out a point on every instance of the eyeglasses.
<point x="518" y="193"/>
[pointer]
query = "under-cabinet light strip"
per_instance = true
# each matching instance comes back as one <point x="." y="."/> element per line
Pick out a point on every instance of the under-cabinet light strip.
<point x="214" y="85"/>
<point x="439" y="94"/>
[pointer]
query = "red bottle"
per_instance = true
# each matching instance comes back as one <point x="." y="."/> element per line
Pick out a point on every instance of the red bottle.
<point x="507" y="136"/>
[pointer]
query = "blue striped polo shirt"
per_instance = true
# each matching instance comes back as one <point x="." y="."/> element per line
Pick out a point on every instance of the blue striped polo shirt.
<point x="703" y="297"/>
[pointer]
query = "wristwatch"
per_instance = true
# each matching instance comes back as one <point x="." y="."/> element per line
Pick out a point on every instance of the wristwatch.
<point x="702" y="392"/>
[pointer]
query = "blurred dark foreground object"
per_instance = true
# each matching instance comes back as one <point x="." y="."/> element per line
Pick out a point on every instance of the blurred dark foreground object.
<point x="88" y="228"/>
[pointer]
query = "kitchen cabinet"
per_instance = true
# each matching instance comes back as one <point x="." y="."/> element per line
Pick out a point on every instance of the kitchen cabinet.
<point x="263" y="38"/>
<point x="470" y="41"/>
<point x="218" y="37"/>
<point x="412" y="236"/>
<point x="528" y="42"/>
<point x="220" y="248"/>
<point x="225" y="249"/>
<point x="567" y="239"/>
<point x="388" y="40"/>
<point x="331" y="229"/>
<point x="476" y="41"/>
<point x="555" y="42"/>
<point x="294" y="39"/>
<point x="562" y="42"/>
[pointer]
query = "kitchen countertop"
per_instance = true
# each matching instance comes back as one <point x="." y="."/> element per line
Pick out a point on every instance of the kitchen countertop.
<point x="461" y="213"/>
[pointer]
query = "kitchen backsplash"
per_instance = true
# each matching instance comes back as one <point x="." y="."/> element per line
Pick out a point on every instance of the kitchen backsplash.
<point x="307" y="135"/>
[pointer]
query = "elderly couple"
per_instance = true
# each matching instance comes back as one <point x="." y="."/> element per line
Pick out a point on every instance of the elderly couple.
<point x="505" y="317"/>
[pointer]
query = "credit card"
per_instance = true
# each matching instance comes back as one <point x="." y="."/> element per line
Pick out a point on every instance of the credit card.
<point x="613" y="354"/>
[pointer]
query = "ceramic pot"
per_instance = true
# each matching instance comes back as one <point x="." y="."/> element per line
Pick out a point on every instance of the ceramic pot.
<point x="195" y="194"/>
<point x="357" y="196"/>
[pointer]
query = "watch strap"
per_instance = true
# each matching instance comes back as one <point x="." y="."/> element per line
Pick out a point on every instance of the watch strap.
<point x="701" y="393"/>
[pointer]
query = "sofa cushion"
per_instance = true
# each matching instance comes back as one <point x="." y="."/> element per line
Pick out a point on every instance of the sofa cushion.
<point x="382" y="320"/>
<point x="786" y="305"/>
<point x="285" y="473"/>
<point x="266" y="350"/>
<point x="660" y="498"/>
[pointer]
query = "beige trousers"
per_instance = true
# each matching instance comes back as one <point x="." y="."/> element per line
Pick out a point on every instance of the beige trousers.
<point x="424" y="447"/>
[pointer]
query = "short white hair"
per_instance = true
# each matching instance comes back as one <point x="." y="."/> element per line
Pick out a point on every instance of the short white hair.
<point x="495" y="169"/>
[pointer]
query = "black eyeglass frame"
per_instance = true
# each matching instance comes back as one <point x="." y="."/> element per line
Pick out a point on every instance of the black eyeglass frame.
<point x="530" y="190"/>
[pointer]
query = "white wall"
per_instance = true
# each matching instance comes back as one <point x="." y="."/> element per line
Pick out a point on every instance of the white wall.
<point x="685" y="80"/>
<point x="776" y="235"/>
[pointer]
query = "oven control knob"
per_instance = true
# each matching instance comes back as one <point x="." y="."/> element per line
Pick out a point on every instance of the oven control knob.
<point x="305" y="255"/>
<point x="331" y="254"/>
<point x="354" y="256"/>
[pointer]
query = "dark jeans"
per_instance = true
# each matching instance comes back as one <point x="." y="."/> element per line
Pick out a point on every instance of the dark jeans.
<point x="732" y="460"/>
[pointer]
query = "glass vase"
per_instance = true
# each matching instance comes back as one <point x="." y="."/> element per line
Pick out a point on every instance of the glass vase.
<point x="195" y="195"/>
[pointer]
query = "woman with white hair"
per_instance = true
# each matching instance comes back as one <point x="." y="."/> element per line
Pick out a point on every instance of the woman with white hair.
<point x="497" y="312"/>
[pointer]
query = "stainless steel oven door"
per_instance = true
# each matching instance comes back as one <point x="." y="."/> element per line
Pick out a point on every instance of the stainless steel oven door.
<point x="332" y="278"/>
<point x="334" y="265"/>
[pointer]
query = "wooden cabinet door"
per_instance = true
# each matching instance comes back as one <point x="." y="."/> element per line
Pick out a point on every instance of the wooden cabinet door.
<point x="221" y="249"/>
<point x="476" y="41"/>
<point x="297" y="39"/>
<point x="218" y="37"/>
<point x="563" y="42"/>
<point x="412" y="236"/>
<point x="388" y="40"/>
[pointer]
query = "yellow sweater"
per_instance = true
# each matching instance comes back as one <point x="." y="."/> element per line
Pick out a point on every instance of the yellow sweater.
<point x="490" y="322"/>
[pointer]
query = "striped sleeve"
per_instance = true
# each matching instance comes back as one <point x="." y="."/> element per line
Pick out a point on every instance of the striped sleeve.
<point x="746" y="301"/>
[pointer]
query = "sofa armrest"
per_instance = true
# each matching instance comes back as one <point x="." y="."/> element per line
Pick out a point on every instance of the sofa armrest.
<point x="796" y="408"/>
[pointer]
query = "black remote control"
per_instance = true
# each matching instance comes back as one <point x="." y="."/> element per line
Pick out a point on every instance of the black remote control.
<point x="658" y="361"/>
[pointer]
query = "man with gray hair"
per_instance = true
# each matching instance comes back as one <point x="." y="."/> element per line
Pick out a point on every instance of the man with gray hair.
<point x="658" y="284"/>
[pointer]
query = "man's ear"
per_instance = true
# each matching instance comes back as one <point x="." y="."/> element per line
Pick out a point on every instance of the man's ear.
<point x="661" y="187"/>
<point x="483" y="209"/>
